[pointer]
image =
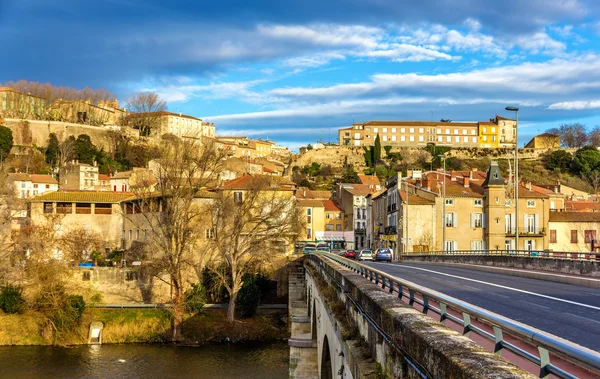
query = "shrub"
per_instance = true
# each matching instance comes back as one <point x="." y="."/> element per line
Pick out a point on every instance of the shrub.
<point x="248" y="298"/>
<point x="11" y="299"/>
<point x="194" y="299"/>
<point x="77" y="304"/>
<point x="64" y="311"/>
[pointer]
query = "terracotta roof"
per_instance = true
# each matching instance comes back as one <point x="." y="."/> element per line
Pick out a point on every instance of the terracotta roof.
<point x="504" y="118"/>
<point x="331" y="206"/>
<point x="322" y="195"/>
<point x="310" y="203"/>
<point x="359" y="189"/>
<point x="103" y="177"/>
<point x="84" y="197"/>
<point x="305" y="193"/>
<point x="574" y="216"/>
<point x="419" y="123"/>
<point x="369" y="179"/>
<point x="266" y="169"/>
<point x="19" y="177"/>
<point x="245" y="182"/>
<point x="415" y="199"/>
<point x="582" y="206"/>
<point x="34" y="178"/>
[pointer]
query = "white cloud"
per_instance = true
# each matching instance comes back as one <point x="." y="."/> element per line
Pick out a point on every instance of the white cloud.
<point x="472" y="24"/>
<point x="325" y="34"/>
<point x="313" y="61"/>
<point x="575" y="105"/>
<point x="540" y="42"/>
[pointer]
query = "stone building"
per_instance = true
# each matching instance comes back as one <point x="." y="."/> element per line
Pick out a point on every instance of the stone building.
<point x="15" y="104"/>
<point x="76" y="176"/>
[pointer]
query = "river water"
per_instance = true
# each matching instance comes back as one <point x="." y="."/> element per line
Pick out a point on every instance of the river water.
<point x="146" y="361"/>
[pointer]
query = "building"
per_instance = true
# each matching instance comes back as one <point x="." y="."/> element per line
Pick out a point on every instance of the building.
<point x="28" y="185"/>
<point x="235" y="167"/>
<point x="99" y="212"/>
<point x="179" y="124"/>
<point x="15" y="104"/>
<point x="334" y="234"/>
<point x="352" y="199"/>
<point x="130" y="181"/>
<point x="313" y="212"/>
<point x="574" y="231"/>
<point x="371" y="180"/>
<point x="498" y="132"/>
<point x="544" y="141"/>
<point x="86" y="112"/>
<point x="75" y="176"/>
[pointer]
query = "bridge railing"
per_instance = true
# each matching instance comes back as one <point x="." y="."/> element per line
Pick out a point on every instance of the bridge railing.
<point x="588" y="255"/>
<point x="545" y="343"/>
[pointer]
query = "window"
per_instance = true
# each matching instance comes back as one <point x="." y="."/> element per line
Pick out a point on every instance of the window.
<point x="402" y="138"/>
<point x="103" y="209"/>
<point x="338" y="227"/>
<point x="478" y="202"/>
<point x="451" y="220"/>
<point x="573" y="236"/>
<point x="466" y="139"/>
<point x="48" y="208"/>
<point x="86" y="276"/>
<point x="476" y="220"/>
<point x="385" y="130"/>
<point x="474" y="139"/>
<point x="402" y="130"/>
<point x="457" y="139"/>
<point x="237" y="197"/>
<point x="308" y="215"/>
<point x="589" y="236"/>
<point x="130" y="234"/>
<point x="448" y="139"/>
<point x="210" y="233"/>
<point x="439" y="131"/>
<point x="464" y="131"/>
<point x="393" y="138"/>
<point x="421" y="130"/>
<point x="329" y="216"/>
<point x="412" y="130"/>
<point x="385" y="138"/>
<point x="552" y="236"/>
<point x="412" y="138"/>
<point x="493" y="130"/>
<point x="329" y="227"/>
<point x="308" y="233"/>
<point x="449" y="201"/>
<point x="455" y="131"/>
<point x="473" y="132"/>
<point x="477" y="245"/>
<point x="376" y="130"/>
<point x="451" y="246"/>
<point x="529" y="245"/>
<point x="338" y="216"/>
<point x="530" y="203"/>
<point x="393" y="130"/>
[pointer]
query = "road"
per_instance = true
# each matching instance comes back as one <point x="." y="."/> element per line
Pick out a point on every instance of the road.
<point x="568" y="311"/>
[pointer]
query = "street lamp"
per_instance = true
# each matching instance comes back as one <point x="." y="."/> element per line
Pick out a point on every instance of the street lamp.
<point x="443" y="158"/>
<point x="516" y="110"/>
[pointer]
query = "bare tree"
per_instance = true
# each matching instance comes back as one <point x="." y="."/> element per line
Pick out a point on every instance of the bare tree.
<point x="79" y="243"/>
<point x="146" y="108"/>
<point x="67" y="151"/>
<point x="173" y="212"/>
<point x="594" y="136"/>
<point x="571" y="135"/>
<point x="250" y="229"/>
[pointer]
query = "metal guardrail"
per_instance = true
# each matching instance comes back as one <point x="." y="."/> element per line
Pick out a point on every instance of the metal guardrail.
<point x="573" y="255"/>
<point x="546" y="343"/>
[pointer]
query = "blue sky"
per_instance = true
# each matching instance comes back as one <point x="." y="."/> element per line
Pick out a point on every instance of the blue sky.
<point x="296" y="71"/>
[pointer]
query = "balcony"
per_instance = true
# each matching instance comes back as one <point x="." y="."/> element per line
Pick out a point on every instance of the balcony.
<point x="390" y="230"/>
<point x="360" y="230"/>
<point x="526" y="231"/>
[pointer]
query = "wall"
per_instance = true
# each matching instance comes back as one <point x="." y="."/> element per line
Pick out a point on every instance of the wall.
<point x="563" y="235"/>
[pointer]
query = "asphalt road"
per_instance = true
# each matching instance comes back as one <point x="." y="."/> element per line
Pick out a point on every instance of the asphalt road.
<point x="568" y="311"/>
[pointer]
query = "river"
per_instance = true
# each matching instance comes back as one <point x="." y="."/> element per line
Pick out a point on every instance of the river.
<point x="146" y="361"/>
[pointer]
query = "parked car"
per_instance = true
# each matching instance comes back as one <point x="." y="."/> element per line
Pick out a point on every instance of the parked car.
<point x="350" y="254"/>
<point x="309" y="249"/>
<point x="365" y="255"/>
<point x="383" y="255"/>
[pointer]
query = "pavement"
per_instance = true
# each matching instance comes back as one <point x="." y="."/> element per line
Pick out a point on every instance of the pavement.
<point x="565" y="310"/>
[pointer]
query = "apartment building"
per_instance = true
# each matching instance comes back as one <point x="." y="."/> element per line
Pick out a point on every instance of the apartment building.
<point x="77" y="176"/>
<point x="86" y="112"/>
<point x="28" y="185"/>
<point x="498" y="132"/>
<point x="352" y="199"/>
<point x="15" y="104"/>
<point x="324" y="221"/>
<point x="574" y="231"/>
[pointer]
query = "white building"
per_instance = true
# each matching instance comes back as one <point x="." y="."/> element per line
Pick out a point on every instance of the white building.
<point x="29" y="185"/>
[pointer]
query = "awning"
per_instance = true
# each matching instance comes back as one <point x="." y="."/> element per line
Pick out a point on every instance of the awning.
<point x="332" y="239"/>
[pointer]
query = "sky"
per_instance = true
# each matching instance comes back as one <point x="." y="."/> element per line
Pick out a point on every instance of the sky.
<point x="296" y="71"/>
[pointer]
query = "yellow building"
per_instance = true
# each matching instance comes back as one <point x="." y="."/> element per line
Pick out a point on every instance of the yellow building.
<point x="313" y="212"/>
<point x="15" y="104"/>
<point x="574" y="231"/>
<point x="544" y="141"/>
<point x="488" y="135"/>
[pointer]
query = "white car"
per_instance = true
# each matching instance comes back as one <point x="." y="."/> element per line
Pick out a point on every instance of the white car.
<point x="365" y="255"/>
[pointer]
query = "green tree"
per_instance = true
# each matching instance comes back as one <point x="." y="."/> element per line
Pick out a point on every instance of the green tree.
<point x="387" y="149"/>
<point x="53" y="150"/>
<point x="377" y="150"/>
<point x="6" y="141"/>
<point x="309" y="147"/>
<point x="559" y="159"/>
<point x="368" y="154"/>
<point x="85" y="149"/>
<point x="350" y="175"/>
<point x="585" y="161"/>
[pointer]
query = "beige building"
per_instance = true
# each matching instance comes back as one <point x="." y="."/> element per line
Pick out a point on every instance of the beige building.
<point x="129" y="181"/>
<point x="498" y="132"/>
<point x="28" y="185"/>
<point x="574" y="231"/>
<point x="100" y="212"/>
<point x="86" y="112"/>
<point x="75" y="176"/>
<point x="15" y="104"/>
<point x="544" y="141"/>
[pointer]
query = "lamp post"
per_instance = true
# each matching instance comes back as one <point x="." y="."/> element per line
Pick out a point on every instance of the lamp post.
<point x="516" y="110"/>
<point x="443" y="158"/>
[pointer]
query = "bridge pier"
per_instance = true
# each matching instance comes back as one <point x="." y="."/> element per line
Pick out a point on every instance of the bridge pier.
<point x="303" y="347"/>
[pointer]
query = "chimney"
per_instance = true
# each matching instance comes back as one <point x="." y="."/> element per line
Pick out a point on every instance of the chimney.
<point x="453" y="175"/>
<point x="474" y="169"/>
<point x="555" y="189"/>
<point x="529" y="186"/>
<point x="466" y="181"/>
<point x="471" y="175"/>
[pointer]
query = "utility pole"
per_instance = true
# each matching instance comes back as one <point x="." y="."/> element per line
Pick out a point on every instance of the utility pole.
<point x="516" y="110"/>
<point x="443" y="158"/>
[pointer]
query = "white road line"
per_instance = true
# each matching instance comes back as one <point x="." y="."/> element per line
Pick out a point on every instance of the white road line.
<point x="505" y="287"/>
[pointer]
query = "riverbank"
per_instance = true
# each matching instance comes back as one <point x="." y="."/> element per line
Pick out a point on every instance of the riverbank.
<point x="143" y="326"/>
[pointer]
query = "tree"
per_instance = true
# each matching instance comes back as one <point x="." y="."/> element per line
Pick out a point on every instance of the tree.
<point x="175" y="214"/>
<point x="585" y="161"/>
<point x="251" y="230"/>
<point x="67" y="150"/>
<point x="79" y="243"/>
<point x="309" y="147"/>
<point x="146" y="108"/>
<point x="6" y="142"/>
<point x="85" y="149"/>
<point x="377" y="150"/>
<point x="571" y="135"/>
<point x="594" y="136"/>
<point x="559" y="159"/>
<point x="445" y="120"/>
<point x="387" y="149"/>
<point x="350" y="175"/>
<point x="53" y="150"/>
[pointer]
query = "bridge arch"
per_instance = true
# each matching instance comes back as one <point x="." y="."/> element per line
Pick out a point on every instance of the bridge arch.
<point x="326" y="366"/>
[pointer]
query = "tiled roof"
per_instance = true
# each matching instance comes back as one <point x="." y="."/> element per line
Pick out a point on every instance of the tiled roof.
<point x="122" y="175"/>
<point x="358" y="189"/>
<point x="415" y="199"/>
<point x="84" y="197"/>
<point x="420" y="123"/>
<point x="103" y="177"/>
<point x="331" y="206"/>
<point x="310" y="203"/>
<point x="266" y="169"/>
<point x="582" y="206"/>
<point x="504" y="118"/>
<point x="34" y="178"/>
<point x="369" y="179"/>
<point x="322" y="195"/>
<point x="246" y="181"/>
<point x="574" y="216"/>
<point x="19" y="177"/>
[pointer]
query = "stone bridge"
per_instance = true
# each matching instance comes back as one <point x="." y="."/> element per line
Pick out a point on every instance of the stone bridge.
<point x="344" y="326"/>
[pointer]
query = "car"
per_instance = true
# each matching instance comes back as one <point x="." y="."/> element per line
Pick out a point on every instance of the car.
<point x="350" y="254"/>
<point x="365" y="255"/>
<point x="383" y="255"/>
<point x="323" y="249"/>
<point x="309" y="249"/>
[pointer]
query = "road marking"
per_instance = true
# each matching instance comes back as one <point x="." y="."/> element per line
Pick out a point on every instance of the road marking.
<point x="506" y="287"/>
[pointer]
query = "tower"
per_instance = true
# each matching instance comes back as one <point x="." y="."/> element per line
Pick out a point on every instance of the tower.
<point x="494" y="208"/>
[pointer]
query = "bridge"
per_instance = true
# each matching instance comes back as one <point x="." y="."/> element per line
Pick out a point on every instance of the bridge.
<point x="354" y="320"/>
